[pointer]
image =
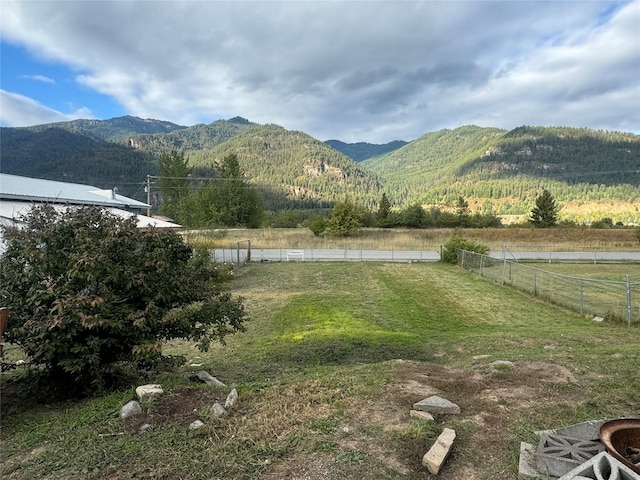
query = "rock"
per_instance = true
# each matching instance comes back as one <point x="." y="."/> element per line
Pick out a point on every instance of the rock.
<point x="480" y="357"/>
<point x="149" y="393"/>
<point x="145" y="427"/>
<point x="196" y="424"/>
<point x="436" y="405"/>
<point x="502" y="363"/>
<point x="439" y="451"/>
<point x="209" y="379"/>
<point x="130" y="409"/>
<point x="549" y="347"/>
<point x="231" y="399"/>
<point x="218" y="410"/>
<point x="421" y="415"/>
<point x="598" y="319"/>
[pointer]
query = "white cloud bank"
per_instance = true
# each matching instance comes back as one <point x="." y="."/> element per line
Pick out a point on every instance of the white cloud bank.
<point x="18" y="110"/>
<point x="357" y="71"/>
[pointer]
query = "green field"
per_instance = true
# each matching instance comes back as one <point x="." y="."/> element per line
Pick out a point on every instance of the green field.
<point x="332" y="361"/>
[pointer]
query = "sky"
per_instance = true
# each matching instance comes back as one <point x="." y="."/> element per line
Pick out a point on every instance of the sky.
<point x="357" y="71"/>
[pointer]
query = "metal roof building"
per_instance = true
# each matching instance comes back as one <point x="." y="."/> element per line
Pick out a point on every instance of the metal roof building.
<point x="18" y="194"/>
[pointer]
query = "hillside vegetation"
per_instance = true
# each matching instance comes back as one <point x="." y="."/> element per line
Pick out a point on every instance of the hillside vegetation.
<point x="294" y="169"/>
<point x="592" y="174"/>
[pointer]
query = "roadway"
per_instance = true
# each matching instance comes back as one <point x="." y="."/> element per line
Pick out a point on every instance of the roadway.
<point x="345" y="255"/>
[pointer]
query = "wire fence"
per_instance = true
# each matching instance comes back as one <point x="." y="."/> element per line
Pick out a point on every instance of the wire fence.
<point x="244" y="253"/>
<point x="601" y="298"/>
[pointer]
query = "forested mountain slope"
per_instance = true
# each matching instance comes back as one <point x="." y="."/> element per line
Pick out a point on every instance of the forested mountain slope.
<point x="362" y="150"/>
<point x="294" y="169"/>
<point x="197" y="137"/>
<point x="591" y="174"/>
<point x="503" y="171"/>
<point x="73" y="155"/>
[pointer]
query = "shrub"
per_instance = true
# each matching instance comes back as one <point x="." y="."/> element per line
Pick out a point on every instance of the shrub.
<point x="89" y="290"/>
<point x="458" y="242"/>
<point x="317" y="225"/>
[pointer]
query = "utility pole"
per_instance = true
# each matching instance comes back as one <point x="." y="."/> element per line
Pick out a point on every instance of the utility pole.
<point x="147" y="189"/>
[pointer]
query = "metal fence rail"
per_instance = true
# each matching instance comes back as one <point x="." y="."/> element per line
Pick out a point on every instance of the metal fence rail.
<point x="350" y="253"/>
<point x="603" y="298"/>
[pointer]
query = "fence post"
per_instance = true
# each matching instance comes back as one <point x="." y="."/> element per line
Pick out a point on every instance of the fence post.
<point x="504" y="269"/>
<point x="581" y="295"/>
<point x="481" y="262"/>
<point x="463" y="259"/>
<point x="629" y="310"/>
<point x="535" y="286"/>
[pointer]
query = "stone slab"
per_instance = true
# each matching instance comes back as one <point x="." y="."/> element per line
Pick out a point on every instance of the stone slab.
<point x="439" y="451"/>
<point x="436" y="405"/>
<point x="421" y="415"/>
<point x="209" y="379"/>
<point x="527" y="464"/>
<point x="589" y="430"/>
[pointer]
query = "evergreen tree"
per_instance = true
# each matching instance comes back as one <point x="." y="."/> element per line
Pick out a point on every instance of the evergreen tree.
<point x="384" y="209"/>
<point x="462" y="211"/>
<point x="173" y="183"/>
<point x="236" y="202"/>
<point x="345" y="219"/>
<point x="545" y="213"/>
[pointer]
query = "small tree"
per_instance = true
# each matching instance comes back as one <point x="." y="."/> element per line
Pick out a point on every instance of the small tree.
<point x="173" y="183"/>
<point x="382" y="215"/>
<point x="345" y="219"/>
<point x="236" y="202"/>
<point x="545" y="213"/>
<point x="414" y="216"/>
<point x="462" y="212"/>
<point x="89" y="290"/>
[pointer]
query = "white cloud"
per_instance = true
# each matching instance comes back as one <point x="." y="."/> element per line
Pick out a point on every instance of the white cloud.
<point x="20" y="111"/>
<point x="358" y="71"/>
<point x="39" y="78"/>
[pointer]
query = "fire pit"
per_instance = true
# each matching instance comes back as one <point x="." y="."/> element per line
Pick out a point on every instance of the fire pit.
<point x="621" y="438"/>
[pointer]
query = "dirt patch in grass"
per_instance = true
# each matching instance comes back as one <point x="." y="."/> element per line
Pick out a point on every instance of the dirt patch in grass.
<point x="308" y="466"/>
<point x="490" y="399"/>
<point x="177" y="407"/>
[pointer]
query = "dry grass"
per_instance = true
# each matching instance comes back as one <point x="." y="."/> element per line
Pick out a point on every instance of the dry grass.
<point x="428" y="239"/>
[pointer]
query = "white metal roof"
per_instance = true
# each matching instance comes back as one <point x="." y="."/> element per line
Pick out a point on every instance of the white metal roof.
<point x="12" y="210"/>
<point x="14" y="187"/>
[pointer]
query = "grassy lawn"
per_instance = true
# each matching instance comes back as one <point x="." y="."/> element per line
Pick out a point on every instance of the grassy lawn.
<point x="334" y="357"/>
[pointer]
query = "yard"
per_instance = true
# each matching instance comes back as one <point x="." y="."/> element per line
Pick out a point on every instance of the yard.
<point x="334" y="357"/>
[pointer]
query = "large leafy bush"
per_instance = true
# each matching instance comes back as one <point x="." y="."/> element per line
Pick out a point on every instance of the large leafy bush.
<point x="456" y="243"/>
<point x="89" y="290"/>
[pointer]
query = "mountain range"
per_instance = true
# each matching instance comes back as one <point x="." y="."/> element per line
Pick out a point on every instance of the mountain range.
<point x="592" y="174"/>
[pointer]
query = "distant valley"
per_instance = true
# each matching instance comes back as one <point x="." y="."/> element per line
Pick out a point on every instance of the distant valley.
<point x="592" y="174"/>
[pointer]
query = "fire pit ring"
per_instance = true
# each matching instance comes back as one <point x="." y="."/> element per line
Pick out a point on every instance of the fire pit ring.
<point x="621" y="439"/>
